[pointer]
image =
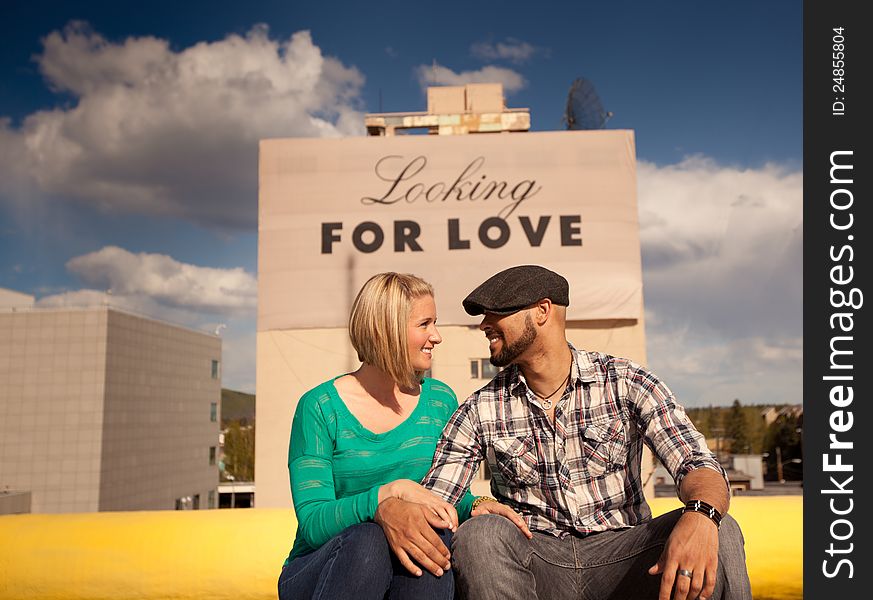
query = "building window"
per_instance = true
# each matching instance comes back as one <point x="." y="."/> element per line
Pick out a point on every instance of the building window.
<point x="215" y="369"/>
<point x="212" y="455"/>
<point x="196" y="502"/>
<point x="210" y="499"/>
<point x="213" y="411"/>
<point x="481" y="368"/>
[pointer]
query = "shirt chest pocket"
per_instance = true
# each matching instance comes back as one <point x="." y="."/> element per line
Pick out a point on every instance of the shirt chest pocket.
<point x="517" y="460"/>
<point x="604" y="447"/>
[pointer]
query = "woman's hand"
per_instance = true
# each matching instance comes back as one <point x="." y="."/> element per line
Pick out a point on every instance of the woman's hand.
<point x="490" y="506"/>
<point x="410" y="491"/>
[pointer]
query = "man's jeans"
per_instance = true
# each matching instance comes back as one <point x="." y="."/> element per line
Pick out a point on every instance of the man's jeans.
<point x="358" y="564"/>
<point x="493" y="560"/>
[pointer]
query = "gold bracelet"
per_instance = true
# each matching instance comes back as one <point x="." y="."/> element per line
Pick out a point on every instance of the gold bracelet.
<point x="480" y="499"/>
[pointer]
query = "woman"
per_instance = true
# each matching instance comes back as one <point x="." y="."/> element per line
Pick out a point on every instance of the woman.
<point x="366" y="436"/>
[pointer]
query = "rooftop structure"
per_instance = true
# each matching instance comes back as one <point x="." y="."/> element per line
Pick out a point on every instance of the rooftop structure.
<point x="455" y="110"/>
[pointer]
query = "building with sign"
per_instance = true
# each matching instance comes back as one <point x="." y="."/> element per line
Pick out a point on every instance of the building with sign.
<point x="453" y="209"/>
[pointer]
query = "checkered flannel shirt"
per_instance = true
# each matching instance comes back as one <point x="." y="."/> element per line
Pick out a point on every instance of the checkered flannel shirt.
<point x="581" y="474"/>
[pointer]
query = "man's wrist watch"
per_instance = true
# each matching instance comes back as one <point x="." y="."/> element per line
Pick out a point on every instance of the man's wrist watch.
<point x="702" y="507"/>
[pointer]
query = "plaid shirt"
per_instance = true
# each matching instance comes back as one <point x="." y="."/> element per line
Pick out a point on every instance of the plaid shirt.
<point x="582" y="473"/>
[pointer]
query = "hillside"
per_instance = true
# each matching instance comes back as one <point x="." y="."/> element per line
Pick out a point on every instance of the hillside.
<point x="237" y="406"/>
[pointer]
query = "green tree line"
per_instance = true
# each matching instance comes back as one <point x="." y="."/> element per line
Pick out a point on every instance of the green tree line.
<point x="739" y="429"/>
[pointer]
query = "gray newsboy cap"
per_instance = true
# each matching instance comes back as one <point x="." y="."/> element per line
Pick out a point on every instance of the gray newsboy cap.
<point x="513" y="289"/>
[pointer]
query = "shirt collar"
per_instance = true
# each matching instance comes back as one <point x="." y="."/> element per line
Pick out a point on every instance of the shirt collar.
<point x="584" y="371"/>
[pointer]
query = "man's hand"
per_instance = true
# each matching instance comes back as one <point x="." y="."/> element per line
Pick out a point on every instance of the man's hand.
<point x="408" y="490"/>
<point x="409" y="530"/>
<point x="492" y="507"/>
<point x="693" y="546"/>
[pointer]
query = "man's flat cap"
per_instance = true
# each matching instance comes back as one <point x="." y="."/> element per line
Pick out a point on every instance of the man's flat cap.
<point x="515" y="288"/>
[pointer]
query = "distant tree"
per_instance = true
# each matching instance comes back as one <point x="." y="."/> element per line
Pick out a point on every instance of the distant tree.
<point x="715" y="417"/>
<point x="239" y="451"/>
<point x="700" y="418"/>
<point x="783" y="441"/>
<point x="737" y="428"/>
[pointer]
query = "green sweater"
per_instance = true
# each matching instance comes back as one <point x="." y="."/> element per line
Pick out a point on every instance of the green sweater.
<point x="337" y="465"/>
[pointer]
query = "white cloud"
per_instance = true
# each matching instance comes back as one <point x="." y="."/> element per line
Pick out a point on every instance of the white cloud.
<point x="168" y="282"/>
<point x="162" y="132"/>
<point x="722" y="270"/>
<point x="440" y="75"/>
<point x="513" y="50"/>
<point x="729" y="239"/>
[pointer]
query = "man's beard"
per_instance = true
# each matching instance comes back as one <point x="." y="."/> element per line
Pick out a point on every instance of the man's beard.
<point x="512" y="351"/>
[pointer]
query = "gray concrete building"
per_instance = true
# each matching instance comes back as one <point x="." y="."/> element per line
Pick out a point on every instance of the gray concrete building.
<point x="103" y="410"/>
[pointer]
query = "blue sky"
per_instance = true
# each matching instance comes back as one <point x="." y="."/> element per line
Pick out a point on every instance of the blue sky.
<point x="128" y="147"/>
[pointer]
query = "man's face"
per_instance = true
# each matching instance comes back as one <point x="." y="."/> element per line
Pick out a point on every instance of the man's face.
<point x="508" y="335"/>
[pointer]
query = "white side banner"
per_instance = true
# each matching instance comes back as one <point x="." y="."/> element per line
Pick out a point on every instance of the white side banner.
<point x="451" y="209"/>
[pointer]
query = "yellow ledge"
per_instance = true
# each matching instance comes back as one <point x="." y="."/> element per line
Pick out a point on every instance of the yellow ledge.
<point x="237" y="554"/>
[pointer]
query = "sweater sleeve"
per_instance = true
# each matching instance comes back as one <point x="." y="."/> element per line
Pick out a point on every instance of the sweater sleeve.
<point x="320" y="515"/>
<point x="465" y="506"/>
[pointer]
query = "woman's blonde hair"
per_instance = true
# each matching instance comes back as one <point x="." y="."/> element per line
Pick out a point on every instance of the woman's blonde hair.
<point x="378" y="323"/>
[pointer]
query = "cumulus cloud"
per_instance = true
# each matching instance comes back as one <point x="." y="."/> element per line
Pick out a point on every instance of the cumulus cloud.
<point x="704" y="368"/>
<point x="513" y="50"/>
<point x="722" y="270"/>
<point x="729" y="238"/>
<point x="142" y="305"/>
<point x="440" y="75"/>
<point x="166" y="281"/>
<point x="155" y="131"/>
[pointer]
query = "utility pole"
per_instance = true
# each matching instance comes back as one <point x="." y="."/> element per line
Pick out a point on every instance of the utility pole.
<point x="779" y="465"/>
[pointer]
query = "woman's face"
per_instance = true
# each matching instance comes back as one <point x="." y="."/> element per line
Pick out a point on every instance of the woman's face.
<point x="422" y="334"/>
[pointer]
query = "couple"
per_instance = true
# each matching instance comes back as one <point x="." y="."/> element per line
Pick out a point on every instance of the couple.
<point x="562" y="431"/>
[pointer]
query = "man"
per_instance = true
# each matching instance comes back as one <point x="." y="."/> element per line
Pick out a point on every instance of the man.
<point x="562" y="431"/>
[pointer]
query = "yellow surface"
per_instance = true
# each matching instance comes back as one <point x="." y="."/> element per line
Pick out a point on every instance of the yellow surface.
<point x="773" y="529"/>
<point x="238" y="553"/>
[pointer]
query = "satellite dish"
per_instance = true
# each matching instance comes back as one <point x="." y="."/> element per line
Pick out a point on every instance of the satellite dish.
<point x="584" y="108"/>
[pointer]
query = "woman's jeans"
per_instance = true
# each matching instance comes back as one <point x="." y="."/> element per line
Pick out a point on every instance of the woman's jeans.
<point x="358" y="564"/>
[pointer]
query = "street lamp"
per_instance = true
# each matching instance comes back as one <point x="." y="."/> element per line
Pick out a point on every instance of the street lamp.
<point x="232" y="480"/>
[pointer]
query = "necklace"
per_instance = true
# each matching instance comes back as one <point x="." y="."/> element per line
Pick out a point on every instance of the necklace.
<point x="547" y="400"/>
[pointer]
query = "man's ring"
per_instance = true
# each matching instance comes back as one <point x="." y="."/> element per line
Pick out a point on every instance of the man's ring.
<point x="685" y="572"/>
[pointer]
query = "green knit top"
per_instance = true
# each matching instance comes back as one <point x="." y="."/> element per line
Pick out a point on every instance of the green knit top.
<point x="337" y="465"/>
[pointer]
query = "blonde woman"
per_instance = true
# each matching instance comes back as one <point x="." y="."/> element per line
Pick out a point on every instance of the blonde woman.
<point x="367" y="436"/>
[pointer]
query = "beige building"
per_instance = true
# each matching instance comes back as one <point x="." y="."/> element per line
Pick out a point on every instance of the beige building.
<point x="452" y="208"/>
<point x="105" y="410"/>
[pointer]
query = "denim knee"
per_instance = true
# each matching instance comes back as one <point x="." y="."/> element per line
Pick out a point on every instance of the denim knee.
<point x="733" y="581"/>
<point x="730" y="535"/>
<point x="364" y="549"/>
<point x="480" y="538"/>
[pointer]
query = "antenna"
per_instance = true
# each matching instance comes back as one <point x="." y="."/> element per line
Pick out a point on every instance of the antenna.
<point x="584" y="108"/>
